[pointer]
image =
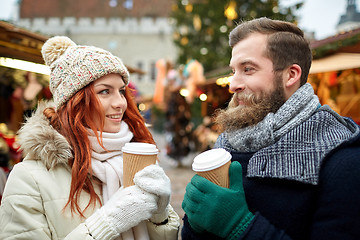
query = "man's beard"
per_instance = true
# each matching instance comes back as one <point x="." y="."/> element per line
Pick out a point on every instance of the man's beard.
<point x="255" y="109"/>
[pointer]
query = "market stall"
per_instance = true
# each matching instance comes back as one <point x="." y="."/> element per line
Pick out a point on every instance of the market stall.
<point x="19" y="89"/>
<point x="335" y="73"/>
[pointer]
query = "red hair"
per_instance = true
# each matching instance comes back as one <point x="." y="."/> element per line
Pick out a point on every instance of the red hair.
<point x="72" y="119"/>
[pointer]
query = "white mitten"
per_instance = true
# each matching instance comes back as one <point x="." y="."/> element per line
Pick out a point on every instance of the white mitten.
<point x="153" y="179"/>
<point x="124" y="210"/>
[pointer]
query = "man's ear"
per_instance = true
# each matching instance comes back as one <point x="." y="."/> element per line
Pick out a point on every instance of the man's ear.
<point x="291" y="79"/>
<point x="293" y="76"/>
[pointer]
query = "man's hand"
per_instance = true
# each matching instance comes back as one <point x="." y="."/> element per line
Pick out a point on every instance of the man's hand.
<point x="221" y="211"/>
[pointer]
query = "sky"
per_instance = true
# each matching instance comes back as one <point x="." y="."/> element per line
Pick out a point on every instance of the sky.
<point x="318" y="16"/>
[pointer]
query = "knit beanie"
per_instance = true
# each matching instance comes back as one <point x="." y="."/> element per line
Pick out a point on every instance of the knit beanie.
<point x="74" y="67"/>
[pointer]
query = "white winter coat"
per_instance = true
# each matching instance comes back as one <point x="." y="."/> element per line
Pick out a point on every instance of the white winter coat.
<point x="38" y="188"/>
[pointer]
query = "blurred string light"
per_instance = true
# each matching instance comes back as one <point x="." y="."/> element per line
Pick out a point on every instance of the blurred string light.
<point x="184" y="30"/>
<point x="24" y="65"/>
<point x="184" y="92"/>
<point x="184" y="41"/>
<point x="223" y="29"/>
<point x="276" y="9"/>
<point x="197" y="22"/>
<point x="204" y="51"/>
<point x="203" y="97"/>
<point x="128" y="4"/>
<point x="189" y="8"/>
<point x="142" y="106"/>
<point x="113" y="3"/>
<point x="230" y="12"/>
<point x="223" y="81"/>
<point x="176" y="35"/>
<point x="184" y="2"/>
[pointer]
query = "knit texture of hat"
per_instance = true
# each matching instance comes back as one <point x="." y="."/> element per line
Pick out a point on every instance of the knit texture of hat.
<point x="74" y="67"/>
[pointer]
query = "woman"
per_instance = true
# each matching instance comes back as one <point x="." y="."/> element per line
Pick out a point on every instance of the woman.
<point x="69" y="184"/>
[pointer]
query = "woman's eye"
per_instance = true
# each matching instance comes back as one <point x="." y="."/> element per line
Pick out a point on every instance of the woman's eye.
<point x="105" y="91"/>
<point x="122" y="91"/>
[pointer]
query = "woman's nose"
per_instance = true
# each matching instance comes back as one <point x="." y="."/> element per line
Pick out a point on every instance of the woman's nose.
<point x="119" y="100"/>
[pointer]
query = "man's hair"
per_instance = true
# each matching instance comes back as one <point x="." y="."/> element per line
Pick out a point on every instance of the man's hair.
<point x="286" y="44"/>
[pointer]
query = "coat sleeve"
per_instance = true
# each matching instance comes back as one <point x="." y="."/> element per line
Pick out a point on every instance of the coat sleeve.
<point x="259" y="228"/>
<point x="80" y="232"/>
<point x="338" y="215"/>
<point x="168" y="231"/>
<point x="22" y="214"/>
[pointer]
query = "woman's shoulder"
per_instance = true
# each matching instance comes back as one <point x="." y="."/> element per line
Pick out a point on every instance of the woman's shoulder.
<point x="21" y="180"/>
<point x="40" y="140"/>
<point x="31" y="178"/>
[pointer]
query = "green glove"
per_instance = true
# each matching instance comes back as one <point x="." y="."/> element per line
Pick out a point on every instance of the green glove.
<point x="220" y="211"/>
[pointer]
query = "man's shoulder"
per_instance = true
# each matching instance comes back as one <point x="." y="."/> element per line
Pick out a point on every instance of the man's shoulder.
<point x="328" y="125"/>
<point x="329" y="118"/>
<point x="344" y="158"/>
<point x="348" y="149"/>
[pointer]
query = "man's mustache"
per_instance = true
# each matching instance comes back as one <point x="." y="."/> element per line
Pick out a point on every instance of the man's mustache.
<point x="246" y="98"/>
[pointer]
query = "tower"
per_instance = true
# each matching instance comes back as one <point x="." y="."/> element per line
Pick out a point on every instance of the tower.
<point x="351" y="19"/>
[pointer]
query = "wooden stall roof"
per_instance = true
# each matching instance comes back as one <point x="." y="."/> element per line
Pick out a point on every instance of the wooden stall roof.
<point x="346" y="42"/>
<point x="20" y="44"/>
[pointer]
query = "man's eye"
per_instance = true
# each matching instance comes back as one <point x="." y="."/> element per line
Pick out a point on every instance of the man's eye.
<point x="247" y="69"/>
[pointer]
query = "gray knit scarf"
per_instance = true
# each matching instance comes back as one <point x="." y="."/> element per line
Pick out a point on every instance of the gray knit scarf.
<point x="292" y="143"/>
<point x="299" y="107"/>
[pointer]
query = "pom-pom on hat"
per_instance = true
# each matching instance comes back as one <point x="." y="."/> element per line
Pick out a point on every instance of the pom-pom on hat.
<point x="74" y="67"/>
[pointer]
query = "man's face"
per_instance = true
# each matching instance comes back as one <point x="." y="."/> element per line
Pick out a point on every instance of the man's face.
<point x="253" y="71"/>
<point x="257" y="89"/>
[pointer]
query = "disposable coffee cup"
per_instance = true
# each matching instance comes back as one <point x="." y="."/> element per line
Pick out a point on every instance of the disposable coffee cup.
<point x="136" y="156"/>
<point x="213" y="165"/>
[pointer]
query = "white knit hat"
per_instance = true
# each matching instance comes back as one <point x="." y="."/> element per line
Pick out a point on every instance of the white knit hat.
<point x="74" y="67"/>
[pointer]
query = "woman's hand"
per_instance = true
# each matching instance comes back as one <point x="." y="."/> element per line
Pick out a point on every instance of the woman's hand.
<point x="153" y="179"/>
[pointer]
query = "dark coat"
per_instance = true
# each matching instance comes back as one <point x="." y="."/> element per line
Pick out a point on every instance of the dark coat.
<point x="289" y="209"/>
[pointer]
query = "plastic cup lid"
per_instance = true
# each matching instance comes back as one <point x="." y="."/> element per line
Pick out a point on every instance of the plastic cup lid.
<point x="210" y="160"/>
<point x="140" y="148"/>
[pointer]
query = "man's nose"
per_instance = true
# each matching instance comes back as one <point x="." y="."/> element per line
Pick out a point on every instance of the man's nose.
<point x="236" y="84"/>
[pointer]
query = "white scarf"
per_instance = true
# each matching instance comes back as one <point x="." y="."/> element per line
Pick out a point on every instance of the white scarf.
<point x="107" y="166"/>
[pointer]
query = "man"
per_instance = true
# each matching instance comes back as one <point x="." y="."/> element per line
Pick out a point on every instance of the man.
<point x="295" y="164"/>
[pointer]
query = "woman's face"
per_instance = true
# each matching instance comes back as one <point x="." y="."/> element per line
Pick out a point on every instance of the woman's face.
<point x="110" y="90"/>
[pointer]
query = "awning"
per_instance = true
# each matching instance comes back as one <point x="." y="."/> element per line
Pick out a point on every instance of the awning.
<point x="19" y="43"/>
<point x="339" y="61"/>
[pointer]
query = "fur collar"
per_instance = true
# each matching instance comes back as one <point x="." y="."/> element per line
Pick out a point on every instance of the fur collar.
<point x="40" y="141"/>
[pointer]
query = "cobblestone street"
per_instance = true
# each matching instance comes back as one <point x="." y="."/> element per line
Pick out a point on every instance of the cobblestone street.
<point x="179" y="175"/>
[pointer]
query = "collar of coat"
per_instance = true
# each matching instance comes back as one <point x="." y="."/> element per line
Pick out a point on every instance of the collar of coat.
<point x="40" y="141"/>
<point x="299" y="153"/>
